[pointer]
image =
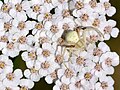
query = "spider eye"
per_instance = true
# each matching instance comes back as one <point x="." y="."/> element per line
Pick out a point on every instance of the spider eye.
<point x="72" y="37"/>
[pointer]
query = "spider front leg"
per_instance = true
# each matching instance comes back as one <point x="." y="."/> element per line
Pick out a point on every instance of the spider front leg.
<point x="70" y="50"/>
<point x="60" y="51"/>
<point x="101" y="36"/>
<point x="70" y="53"/>
<point x="82" y="38"/>
<point x="93" y="28"/>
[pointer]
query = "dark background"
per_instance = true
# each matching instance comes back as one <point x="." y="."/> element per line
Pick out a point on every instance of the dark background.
<point x="113" y="43"/>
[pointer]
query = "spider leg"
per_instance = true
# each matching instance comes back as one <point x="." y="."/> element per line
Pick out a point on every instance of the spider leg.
<point x="98" y="31"/>
<point x="89" y="28"/>
<point x="78" y="32"/>
<point x="70" y="54"/>
<point x="56" y="49"/>
<point x="63" y="50"/>
<point x="82" y="39"/>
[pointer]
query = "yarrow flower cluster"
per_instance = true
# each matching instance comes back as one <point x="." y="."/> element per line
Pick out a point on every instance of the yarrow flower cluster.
<point x="61" y="40"/>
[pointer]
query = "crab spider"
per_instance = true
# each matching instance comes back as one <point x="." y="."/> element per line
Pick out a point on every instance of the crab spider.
<point x="74" y="41"/>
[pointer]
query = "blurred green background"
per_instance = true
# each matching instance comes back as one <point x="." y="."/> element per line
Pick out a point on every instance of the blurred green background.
<point x="113" y="43"/>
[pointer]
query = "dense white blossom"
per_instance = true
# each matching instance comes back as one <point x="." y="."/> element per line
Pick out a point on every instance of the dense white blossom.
<point x="42" y="33"/>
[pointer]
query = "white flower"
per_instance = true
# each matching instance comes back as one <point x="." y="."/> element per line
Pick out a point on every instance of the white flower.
<point x="84" y="16"/>
<point x="38" y="27"/>
<point x="108" y="9"/>
<point x="52" y="30"/>
<point x="6" y="64"/>
<point x="87" y="77"/>
<point x="97" y="7"/>
<point x="78" y="4"/>
<point x="79" y="60"/>
<point x="13" y="79"/>
<point x="66" y="72"/>
<point x="11" y="49"/>
<point x="75" y="84"/>
<point x="58" y="2"/>
<point x="5" y="17"/>
<point x="36" y="7"/>
<point x="66" y="24"/>
<point x="46" y="66"/>
<point x="50" y="4"/>
<point x="6" y="26"/>
<point x="59" y="85"/>
<point x="18" y="9"/>
<point x="30" y="41"/>
<point x="46" y="52"/>
<point x="104" y="47"/>
<point x="105" y="83"/>
<point x="50" y="78"/>
<point x="4" y="87"/>
<point x="46" y="16"/>
<point x="61" y="55"/>
<point x="46" y="59"/>
<point x="29" y="57"/>
<point x="108" y="29"/>
<point x="26" y="84"/>
<point x="32" y="74"/>
<point x="5" y="8"/>
<point x="94" y="52"/>
<point x="97" y="20"/>
<point x="108" y="60"/>
<point x="4" y="40"/>
<point x="22" y="40"/>
<point x="98" y="69"/>
<point x="2" y="30"/>
<point x="62" y="11"/>
<point x="40" y="38"/>
<point x="21" y="27"/>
